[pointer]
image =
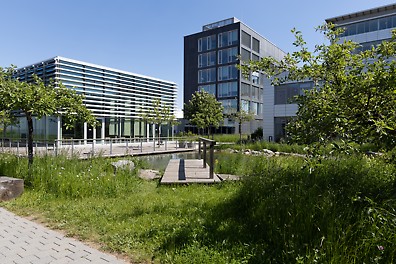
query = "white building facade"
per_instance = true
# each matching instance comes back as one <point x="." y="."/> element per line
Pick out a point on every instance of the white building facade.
<point x="116" y="98"/>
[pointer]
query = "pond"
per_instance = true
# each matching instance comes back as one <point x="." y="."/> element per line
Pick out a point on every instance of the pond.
<point x="159" y="162"/>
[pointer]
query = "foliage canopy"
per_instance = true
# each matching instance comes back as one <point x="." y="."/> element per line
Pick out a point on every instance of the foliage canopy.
<point x="36" y="99"/>
<point x="159" y="114"/>
<point x="354" y="91"/>
<point x="203" y="110"/>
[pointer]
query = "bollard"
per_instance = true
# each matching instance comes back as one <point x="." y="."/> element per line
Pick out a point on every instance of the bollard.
<point x="111" y="146"/>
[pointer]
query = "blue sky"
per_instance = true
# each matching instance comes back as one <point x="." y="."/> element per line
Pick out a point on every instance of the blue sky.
<point x="146" y="36"/>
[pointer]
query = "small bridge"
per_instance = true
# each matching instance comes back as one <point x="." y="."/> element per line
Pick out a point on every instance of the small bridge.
<point x="181" y="171"/>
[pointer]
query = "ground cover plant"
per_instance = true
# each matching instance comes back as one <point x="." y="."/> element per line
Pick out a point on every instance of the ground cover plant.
<point x="338" y="209"/>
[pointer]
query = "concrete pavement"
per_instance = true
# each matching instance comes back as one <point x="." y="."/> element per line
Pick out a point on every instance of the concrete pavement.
<point x="23" y="241"/>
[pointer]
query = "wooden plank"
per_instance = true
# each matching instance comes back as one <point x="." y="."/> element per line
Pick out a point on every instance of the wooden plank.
<point x="181" y="171"/>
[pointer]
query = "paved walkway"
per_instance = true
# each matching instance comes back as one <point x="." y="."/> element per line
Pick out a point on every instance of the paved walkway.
<point x="23" y="241"/>
<point x="107" y="150"/>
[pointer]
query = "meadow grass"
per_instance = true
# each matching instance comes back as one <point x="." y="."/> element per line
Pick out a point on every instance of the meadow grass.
<point x="285" y="210"/>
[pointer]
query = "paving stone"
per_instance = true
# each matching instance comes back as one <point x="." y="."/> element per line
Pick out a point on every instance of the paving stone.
<point x="23" y="241"/>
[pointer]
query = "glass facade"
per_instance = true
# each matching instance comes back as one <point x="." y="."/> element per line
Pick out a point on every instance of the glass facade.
<point x="207" y="59"/>
<point x="207" y="43"/>
<point x="116" y="97"/>
<point x="228" y="38"/>
<point x="246" y="39"/>
<point x="228" y="55"/>
<point x="227" y="73"/>
<point x="210" y="88"/>
<point x="369" y="26"/>
<point x="286" y="93"/>
<point x="207" y="75"/>
<point x="228" y="89"/>
<point x="230" y="105"/>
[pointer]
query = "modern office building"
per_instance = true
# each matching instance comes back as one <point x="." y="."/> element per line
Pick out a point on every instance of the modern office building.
<point x="117" y="99"/>
<point x="367" y="28"/>
<point x="210" y="60"/>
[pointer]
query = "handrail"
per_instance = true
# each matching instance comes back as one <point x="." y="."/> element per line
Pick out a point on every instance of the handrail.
<point x="211" y="143"/>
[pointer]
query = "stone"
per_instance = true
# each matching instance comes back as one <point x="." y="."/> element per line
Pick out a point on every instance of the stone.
<point x="255" y="152"/>
<point x="10" y="188"/>
<point x="123" y="164"/>
<point x="268" y="152"/>
<point x="149" y="174"/>
<point x="229" y="177"/>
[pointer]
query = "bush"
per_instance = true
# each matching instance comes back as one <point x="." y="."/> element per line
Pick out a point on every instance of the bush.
<point x="257" y="134"/>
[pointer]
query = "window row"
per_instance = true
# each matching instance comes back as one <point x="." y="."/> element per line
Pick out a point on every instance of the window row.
<point x="225" y="39"/>
<point x="225" y="73"/>
<point x="251" y="107"/>
<point x="229" y="72"/>
<point x="250" y="42"/>
<point x="227" y="89"/>
<point x="224" y="56"/>
<point x="286" y="93"/>
<point x="253" y="92"/>
<point x="369" y="26"/>
<point x="207" y="59"/>
<point x="207" y="75"/>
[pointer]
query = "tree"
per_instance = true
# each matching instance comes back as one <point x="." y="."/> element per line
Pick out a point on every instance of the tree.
<point x="203" y="110"/>
<point x="6" y="119"/>
<point x="159" y="114"/>
<point x="35" y="99"/>
<point x="354" y="91"/>
<point x="241" y="117"/>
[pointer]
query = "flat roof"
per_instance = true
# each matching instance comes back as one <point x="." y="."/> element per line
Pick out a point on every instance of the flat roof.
<point x="362" y="13"/>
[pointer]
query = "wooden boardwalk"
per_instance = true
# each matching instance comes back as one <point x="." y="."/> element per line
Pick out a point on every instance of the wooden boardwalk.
<point x="180" y="171"/>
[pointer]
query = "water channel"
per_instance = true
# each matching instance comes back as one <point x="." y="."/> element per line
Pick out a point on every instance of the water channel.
<point x="159" y="162"/>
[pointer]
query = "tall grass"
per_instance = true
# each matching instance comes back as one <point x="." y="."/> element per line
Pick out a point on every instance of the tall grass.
<point x="339" y="209"/>
<point x="72" y="178"/>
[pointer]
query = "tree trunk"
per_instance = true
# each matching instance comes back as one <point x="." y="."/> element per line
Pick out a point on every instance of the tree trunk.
<point x="30" y="141"/>
<point x="240" y="132"/>
<point x="159" y="134"/>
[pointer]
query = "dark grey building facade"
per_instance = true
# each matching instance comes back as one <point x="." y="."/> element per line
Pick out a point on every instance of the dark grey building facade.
<point x="210" y="64"/>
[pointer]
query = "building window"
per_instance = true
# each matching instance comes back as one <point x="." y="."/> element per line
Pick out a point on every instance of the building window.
<point x="255" y="57"/>
<point x="230" y="105"/>
<point x="255" y="92"/>
<point x="227" y="89"/>
<point x="245" y="89"/>
<point x="370" y="25"/>
<point x="245" y="54"/>
<point x="256" y="45"/>
<point x="246" y="39"/>
<point x="256" y="109"/>
<point x="245" y="105"/>
<point x="207" y="43"/>
<point x="227" y="73"/>
<point x="210" y="88"/>
<point x="256" y="77"/>
<point x="228" y="38"/>
<point x="286" y="93"/>
<point x="207" y="75"/>
<point x="207" y="59"/>
<point x="228" y="55"/>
